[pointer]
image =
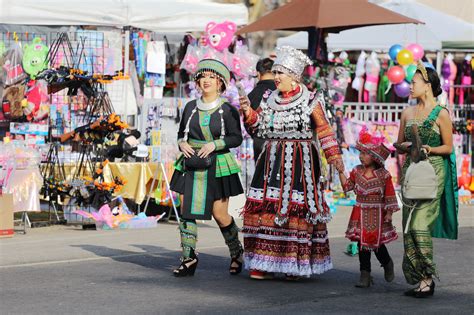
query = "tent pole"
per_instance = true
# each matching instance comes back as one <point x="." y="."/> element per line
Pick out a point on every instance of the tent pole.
<point x="127" y="52"/>
<point x="439" y="61"/>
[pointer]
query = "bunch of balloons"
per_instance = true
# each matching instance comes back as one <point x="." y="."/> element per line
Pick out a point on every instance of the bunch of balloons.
<point x="405" y="59"/>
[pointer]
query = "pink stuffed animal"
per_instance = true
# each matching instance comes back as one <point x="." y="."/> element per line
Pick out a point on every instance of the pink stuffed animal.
<point x="37" y="100"/>
<point x="219" y="35"/>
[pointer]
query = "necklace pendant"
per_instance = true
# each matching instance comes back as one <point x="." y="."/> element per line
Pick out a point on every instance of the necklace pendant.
<point x="206" y="120"/>
<point x="272" y="118"/>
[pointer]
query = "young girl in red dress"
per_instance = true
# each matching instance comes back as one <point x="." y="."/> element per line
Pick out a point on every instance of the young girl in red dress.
<point x="370" y="223"/>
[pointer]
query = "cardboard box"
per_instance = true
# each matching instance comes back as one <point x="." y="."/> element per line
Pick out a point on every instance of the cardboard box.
<point x="6" y="215"/>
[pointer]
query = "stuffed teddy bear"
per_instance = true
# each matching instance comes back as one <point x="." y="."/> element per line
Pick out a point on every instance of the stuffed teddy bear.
<point x="219" y="35"/>
<point x="13" y="96"/>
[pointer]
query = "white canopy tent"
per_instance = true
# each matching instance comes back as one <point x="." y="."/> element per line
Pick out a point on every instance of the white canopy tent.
<point x="439" y="31"/>
<point x="162" y="16"/>
<point x="154" y="15"/>
<point x="370" y="38"/>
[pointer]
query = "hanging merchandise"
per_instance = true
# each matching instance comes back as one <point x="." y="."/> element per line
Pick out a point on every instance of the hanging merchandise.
<point x="216" y="44"/>
<point x="35" y="57"/>
<point x="384" y="84"/>
<point x="466" y="81"/>
<point x="12" y="102"/>
<point x="3" y="49"/>
<point x="36" y="104"/>
<point x="232" y="92"/>
<point x="139" y="49"/>
<point x="156" y="57"/>
<point x="112" y="51"/>
<point x="243" y="62"/>
<point x="338" y="80"/>
<point x="449" y="72"/>
<point x="464" y="178"/>
<point x="358" y="82"/>
<point x="12" y="68"/>
<point x="91" y="59"/>
<point x="445" y="73"/>
<point x="155" y="64"/>
<point x="191" y="59"/>
<point x="220" y="35"/>
<point x="372" y="70"/>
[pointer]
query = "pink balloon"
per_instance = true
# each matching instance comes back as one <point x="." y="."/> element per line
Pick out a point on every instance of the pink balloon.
<point x="417" y="51"/>
<point x="396" y="74"/>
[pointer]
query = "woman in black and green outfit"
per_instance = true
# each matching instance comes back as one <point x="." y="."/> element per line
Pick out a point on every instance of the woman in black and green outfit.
<point x="209" y="127"/>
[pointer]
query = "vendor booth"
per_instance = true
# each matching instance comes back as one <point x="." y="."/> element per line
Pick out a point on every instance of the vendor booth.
<point x="88" y="100"/>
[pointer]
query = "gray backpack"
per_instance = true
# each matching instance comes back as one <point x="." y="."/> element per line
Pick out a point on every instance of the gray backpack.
<point x="420" y="182"/>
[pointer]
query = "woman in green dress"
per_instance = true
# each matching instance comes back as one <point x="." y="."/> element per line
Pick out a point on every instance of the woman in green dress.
<point x="435" y="217"/>
<point x="209" y="127"/>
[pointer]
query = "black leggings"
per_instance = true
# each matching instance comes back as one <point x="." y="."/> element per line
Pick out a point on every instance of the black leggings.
<point x="364" y="257"/>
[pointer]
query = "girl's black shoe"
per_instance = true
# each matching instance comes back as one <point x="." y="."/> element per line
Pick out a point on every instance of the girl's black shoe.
<point x="236" y="265"/>
<point x="187" y="267"/>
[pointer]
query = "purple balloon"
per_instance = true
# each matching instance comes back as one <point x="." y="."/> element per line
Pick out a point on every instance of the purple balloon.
<point x="402" y="89"/>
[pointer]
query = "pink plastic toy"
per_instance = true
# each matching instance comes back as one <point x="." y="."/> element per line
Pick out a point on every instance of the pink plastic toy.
<point x="220" y="35"/>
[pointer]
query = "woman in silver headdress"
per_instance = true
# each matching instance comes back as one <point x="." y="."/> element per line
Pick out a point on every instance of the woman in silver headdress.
<point x="285" y="215"/>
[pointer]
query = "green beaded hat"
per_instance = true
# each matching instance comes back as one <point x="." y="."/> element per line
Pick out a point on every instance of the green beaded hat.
<point x="214" y="66"/>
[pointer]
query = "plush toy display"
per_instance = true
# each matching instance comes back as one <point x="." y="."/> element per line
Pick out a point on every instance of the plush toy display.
<point x="372" y="70"/>
<point x="12" y="98"/>
<point x="36" y="104"/>
<point x="34" y="57"/>
<point x="220" y="35"/>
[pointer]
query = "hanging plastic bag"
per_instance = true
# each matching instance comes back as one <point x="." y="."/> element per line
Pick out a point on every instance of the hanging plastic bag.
<point x="12" y="99"/>
<point x="243" y="61"/>
<point x="12" y="69"/>
<point x="161" y="197"/>
<point x="191" y="59"/>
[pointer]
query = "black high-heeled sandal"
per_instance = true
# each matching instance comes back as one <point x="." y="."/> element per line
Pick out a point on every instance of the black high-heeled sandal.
<point x="187" y="267"/>
<point x="235" y="270"/>
<point x="424" y="294"/>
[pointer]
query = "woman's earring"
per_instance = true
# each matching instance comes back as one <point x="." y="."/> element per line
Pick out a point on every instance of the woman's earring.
<point x="293" y="84"/>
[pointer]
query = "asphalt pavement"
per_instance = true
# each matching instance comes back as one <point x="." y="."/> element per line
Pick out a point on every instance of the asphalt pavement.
<point x="67" y="270"/>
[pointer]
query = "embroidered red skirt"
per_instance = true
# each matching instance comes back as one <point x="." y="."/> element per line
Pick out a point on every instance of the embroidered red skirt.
<point x="367" y="226"/>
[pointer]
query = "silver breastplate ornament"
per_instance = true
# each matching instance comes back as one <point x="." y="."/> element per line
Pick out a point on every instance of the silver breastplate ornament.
<point x="286" y="118"/>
